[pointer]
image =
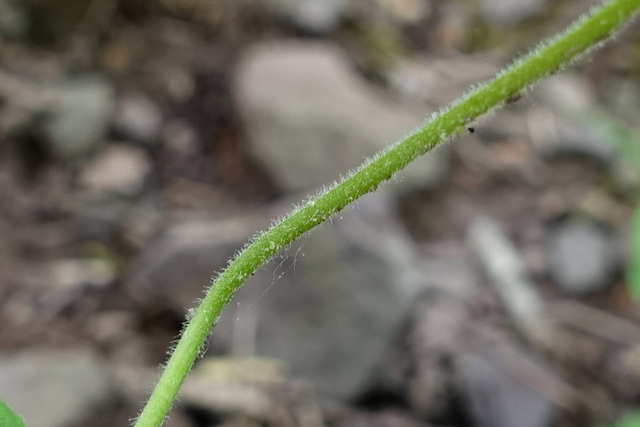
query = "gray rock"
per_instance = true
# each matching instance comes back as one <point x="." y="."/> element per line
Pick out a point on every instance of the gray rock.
<point x="107" y="187"/>
<point x="324" y="16"/>
<point x="496" y="398"/>
<point x="116" y="169"/>
<point x="583" y="257"/>
<point x="436" y="80"/>
<point x="333" y="317"/>
<point x="315" y="16"/>
<point x="54" y="389"/>
<point x="510" y="12"/>
<point x="329" y="306"/>
<point x="569" y="94"/>
<point x="554" y="134"/>
<point x="561" y="123"/>
<point x="236" y="389"/>
<point x="137" y="118"/>
<point x="81" y="116"/>
<point x="73" y="274"/>
<point x="176" y="266"/>
<point x="310" y="118"/>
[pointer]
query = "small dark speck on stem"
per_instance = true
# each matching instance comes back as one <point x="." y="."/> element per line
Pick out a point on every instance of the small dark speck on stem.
<point x="515" y="98"/>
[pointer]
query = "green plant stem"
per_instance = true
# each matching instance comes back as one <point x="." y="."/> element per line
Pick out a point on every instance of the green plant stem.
<point x="560" y="50"/>
<point x="8" y="418"/>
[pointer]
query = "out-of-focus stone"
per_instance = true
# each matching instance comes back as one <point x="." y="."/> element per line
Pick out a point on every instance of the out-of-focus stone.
<point x="137" y="118"/>
<point x="494" y="398"/>
<point x="553" y="134"/>
<point x="329" y="306"/>
<point x="311" y="118"/>
<point x="55" y="389"/>
<point x="566" y="93"/>
<point x="80" y="117"/>
<point x="507" y="13"/>
<point x="117" y="169"/>
<point x="325" y="16"/>
<point x="436" y="81"/>
<point x="61" y="282"/>
<point x="74" y="274"/>
<point x="315" y="16"/>
<point x="582" y="257"/>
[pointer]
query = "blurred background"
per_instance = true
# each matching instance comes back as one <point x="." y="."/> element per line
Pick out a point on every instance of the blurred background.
<point x="142" y="143"/>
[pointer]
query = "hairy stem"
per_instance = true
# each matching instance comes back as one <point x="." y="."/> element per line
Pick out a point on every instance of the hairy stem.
<point x="588" y="32"/>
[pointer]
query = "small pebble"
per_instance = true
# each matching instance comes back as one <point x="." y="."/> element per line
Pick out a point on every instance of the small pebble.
<point x="582" y="257"/>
